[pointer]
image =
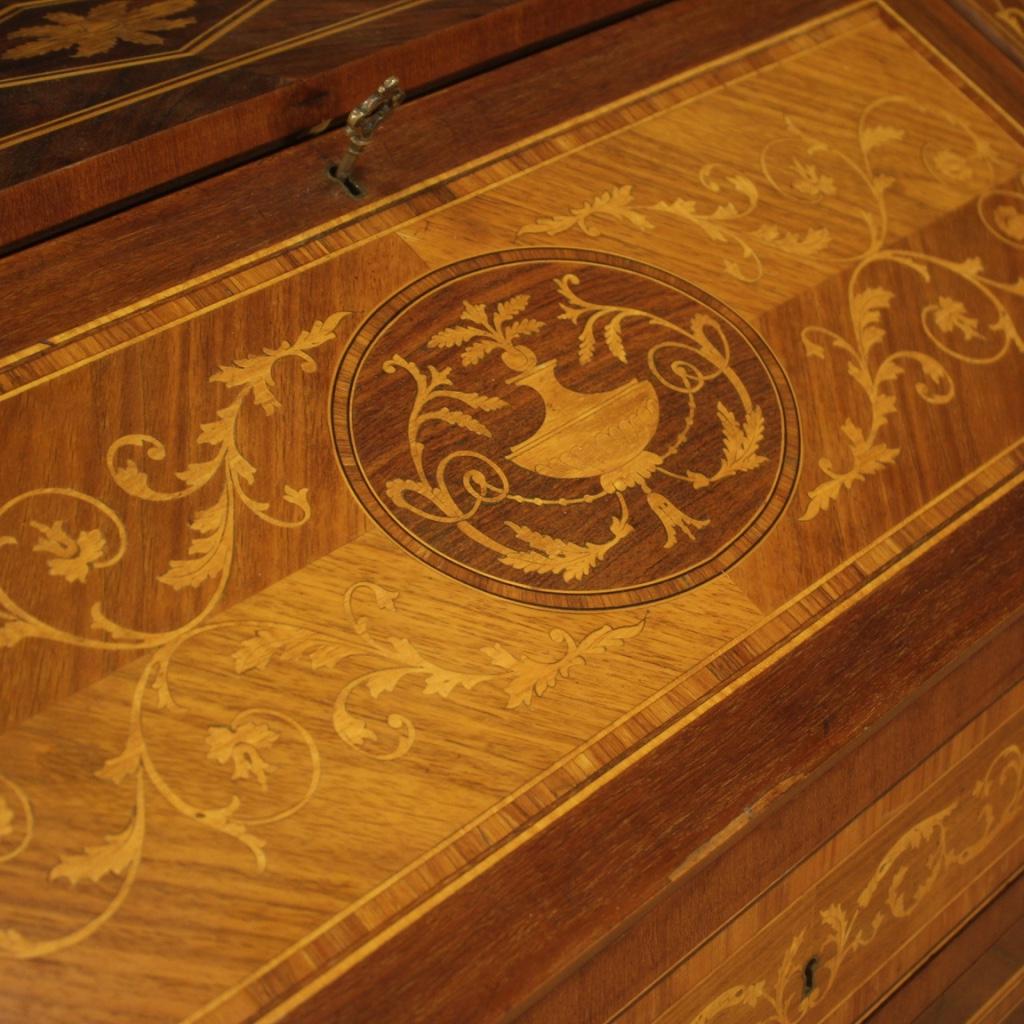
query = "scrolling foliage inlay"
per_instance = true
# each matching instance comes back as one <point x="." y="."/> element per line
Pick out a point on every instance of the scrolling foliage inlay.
<point x="966" y="319"/>
<point x="244" y="743"/>
<point x="565" y="428"/>
<point x="256" y="746"/>
<point x="397" y="659"/>
<point x="924" y="856"/>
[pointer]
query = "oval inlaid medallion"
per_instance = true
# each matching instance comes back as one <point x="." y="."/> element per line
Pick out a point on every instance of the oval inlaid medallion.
<point x="565" y="428"/>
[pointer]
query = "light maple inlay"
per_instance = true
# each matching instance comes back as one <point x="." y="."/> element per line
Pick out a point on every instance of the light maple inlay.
<point x="568" y="420"/>
<point x="352" y="567"/>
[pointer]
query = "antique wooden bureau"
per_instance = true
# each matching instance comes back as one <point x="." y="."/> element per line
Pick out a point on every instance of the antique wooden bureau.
<point x="577" y="578"/>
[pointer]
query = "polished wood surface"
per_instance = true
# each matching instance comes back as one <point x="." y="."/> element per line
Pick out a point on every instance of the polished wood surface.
<point x="991" y="992"/>
<point x="712" y="403"/>
<point x="848" y="924"/>
<point x="994" y="993"/>
<point x="294" y="193"/>
<point x="735" y="868"/>
<point x="1002" y="20"/>
<point x="124" y="259"/>
<point x="105" y="101"/>
<point x="968" y="964"/>
<point x="419" y="571"/>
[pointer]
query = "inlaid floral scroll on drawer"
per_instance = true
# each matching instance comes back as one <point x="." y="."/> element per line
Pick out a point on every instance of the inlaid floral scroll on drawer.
<point x="836" y="948"/>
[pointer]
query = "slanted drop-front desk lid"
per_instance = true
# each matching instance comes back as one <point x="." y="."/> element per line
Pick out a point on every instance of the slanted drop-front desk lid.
<point x="105" y="102"/>
<point x="396" y="608"/>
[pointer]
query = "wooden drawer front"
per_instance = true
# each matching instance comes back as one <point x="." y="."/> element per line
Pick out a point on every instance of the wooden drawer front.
<point x="841" y="930"/>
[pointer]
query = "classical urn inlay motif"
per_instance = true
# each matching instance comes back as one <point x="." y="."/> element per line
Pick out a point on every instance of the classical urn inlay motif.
<point x="603" y="435"/>
<point x="566" y="428"/>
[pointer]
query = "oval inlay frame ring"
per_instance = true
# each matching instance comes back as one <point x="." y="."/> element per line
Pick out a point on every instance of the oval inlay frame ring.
<point x="565" y="428"/>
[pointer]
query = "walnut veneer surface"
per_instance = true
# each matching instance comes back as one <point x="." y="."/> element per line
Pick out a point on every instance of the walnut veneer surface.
<point x="103" y="101"/>
<point x="390" y="616"/>
<point x="847" y="925"/>
<point x="1002" y="20"/>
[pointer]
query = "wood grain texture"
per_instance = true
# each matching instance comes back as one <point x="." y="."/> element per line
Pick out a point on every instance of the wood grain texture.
<point x="675" y="792"/>
<point x="356" y="273"/>
<point x="991" y="991"/>
<point x="843" y="926"/>
<point x="736" y="867"/>
<point x="103" y="105"/>
<point x="549" y="520"/>
<point x="1001" y="20"/>
<point x="230" y="690"/>
<point x="291" y="192"/>
<point x="983" y="938"/>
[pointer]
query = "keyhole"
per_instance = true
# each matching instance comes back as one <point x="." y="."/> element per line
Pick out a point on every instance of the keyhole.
<point x="810" y="968"/>
<point x="347" y="183"/>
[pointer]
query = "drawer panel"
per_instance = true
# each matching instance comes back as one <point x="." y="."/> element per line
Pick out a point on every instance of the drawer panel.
<point x="841" y="930"/>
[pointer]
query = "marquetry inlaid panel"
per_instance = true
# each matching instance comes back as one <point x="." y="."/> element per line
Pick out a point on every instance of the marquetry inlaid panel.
<point x="104" y="101"/>
<point x="684" y="380"/>
<point x="551" y="398"/>
<point x="76" y="71"/>
<point x="831" y="940"/>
